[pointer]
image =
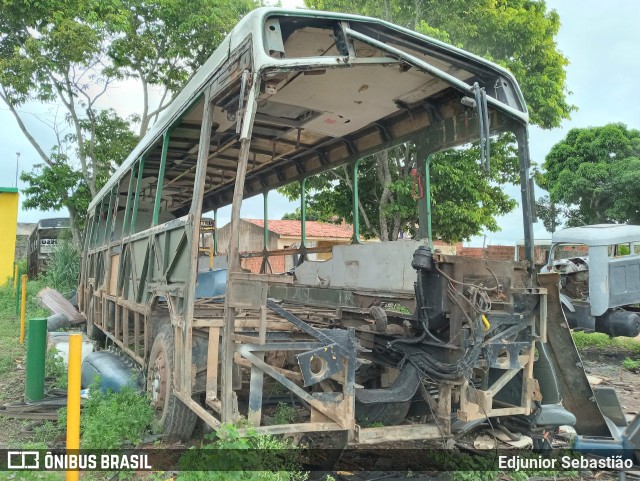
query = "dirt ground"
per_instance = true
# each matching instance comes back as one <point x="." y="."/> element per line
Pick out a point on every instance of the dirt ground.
<point x="607" y="365"/>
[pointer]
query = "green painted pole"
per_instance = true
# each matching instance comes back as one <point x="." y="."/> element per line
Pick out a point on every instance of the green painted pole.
<point x="106" y="237"/>
<point x="36" y="353"/>
<point x="134" y="213"/>
<point x="127" y="207"/>
<point x="266" y="220"/>
<point x="427" y="198"/>
<point x="215" y="232"/>
<point x="95" y="225"/>
<point x="303" y="212"/>
<point x="163" y="165"/>
<point x="356" y="203"/>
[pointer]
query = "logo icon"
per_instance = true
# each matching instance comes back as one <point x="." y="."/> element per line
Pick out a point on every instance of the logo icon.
<point x="23" y="460"/>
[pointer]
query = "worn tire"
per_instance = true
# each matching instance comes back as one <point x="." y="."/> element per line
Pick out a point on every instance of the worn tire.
<point x="175" y="418"/>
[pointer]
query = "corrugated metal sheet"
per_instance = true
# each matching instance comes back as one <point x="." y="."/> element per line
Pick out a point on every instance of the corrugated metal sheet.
<point x="56" y="303"/>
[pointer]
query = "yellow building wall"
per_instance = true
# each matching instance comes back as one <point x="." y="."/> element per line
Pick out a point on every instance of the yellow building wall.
<point x="9" y="226"/>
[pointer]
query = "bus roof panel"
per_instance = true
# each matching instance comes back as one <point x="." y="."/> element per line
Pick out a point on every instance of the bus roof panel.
<point x="252" y="24"/>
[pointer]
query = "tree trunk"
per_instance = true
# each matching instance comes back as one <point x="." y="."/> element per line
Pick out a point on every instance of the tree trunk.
<point x="76" y="235"/>
<point x="384" y="177"/>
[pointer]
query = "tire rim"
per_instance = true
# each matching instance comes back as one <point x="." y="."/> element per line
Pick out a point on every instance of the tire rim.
<point x="157" y="382"/>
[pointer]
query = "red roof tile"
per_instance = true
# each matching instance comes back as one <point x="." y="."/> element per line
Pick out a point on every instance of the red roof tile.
<point x="292" y="228"/>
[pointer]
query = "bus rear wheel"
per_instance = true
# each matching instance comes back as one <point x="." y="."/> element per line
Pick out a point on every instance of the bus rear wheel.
<point x="175" y="418"/>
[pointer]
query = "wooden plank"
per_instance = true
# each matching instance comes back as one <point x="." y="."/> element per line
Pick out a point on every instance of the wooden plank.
<point x="269" y="278"/>
<point x="444" y="409"/>
<point x="397" y="433"/>
<point x="117" y="328"/>
<point x="245" y="339"/>
<point x="205" y="415"/>
<point x="294" y="376"/>
<point x="262" y="329"/>
<point x="295" y="428"/>
<point x="212" y="364"/>
<point x="256" y="386"/>
<point x="125" y="326"/>
<point x="204" y="323"/>
<point x="136" y="333"/>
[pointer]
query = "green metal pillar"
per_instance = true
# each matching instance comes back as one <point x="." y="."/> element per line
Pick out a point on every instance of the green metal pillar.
<point x="215" y="232"/>
<point x="356" y="203"/>
<point x="36" y="353"/>
<point x="134" y="213"/>
<point x="266" y="220"/>
<point x="303" y="212"/>
<point x="427" y="198"/>
<point x="128" y="206"/>
<point x="106" y="237"/>
<point x="163" y="165"/>
<point x="424" y="203"/>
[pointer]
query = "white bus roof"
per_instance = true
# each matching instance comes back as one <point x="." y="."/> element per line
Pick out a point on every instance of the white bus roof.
<point x="598" y="234"/>
<point x="251" y="25"/>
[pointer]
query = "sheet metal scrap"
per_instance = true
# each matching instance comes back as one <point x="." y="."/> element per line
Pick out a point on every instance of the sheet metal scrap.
<point x="56" y="303"/>
<point x="45" y="409"/>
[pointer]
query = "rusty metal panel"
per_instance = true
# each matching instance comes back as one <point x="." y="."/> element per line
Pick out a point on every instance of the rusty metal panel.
<point x="574" y="387"/>
<point x="57" y="304"/>
<point x="246" y="294"/>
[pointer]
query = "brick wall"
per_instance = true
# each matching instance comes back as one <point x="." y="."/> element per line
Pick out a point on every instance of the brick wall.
<point x="254" y="264"/>
<point x="495" y="252"/>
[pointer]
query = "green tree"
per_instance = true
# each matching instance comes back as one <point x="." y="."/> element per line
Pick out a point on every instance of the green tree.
<point x="549" y="213"/>
<point x="70" y="53"/>
<point x="163" y="43"/>
<point x="310" y="214"/>
<point x="465" y="199"/>
<point x="55" y="184"/>
<point x="594" y="174"/>
<point x="465" y="202"/>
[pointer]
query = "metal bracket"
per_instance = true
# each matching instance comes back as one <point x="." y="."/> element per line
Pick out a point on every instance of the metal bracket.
<point x="319" y="364"/>
<point x="506" y="356"/>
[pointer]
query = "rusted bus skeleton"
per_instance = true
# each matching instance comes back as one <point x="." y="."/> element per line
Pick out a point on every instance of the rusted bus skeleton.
<point x="288" y="95"/>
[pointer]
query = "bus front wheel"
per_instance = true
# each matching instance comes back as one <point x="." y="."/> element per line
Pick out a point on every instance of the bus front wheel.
<point x="175" y="418"/>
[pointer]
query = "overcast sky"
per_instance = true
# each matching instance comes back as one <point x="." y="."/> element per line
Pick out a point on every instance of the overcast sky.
<point x="601" y="40"/>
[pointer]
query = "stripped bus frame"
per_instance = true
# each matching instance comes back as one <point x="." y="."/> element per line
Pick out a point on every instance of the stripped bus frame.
<point x="285" y="97"/>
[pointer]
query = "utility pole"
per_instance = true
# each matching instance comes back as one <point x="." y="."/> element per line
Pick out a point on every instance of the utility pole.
<point x="17" y="163"/>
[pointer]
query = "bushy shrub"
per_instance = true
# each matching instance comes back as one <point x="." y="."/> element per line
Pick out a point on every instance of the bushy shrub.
<point x="63" y="267"/>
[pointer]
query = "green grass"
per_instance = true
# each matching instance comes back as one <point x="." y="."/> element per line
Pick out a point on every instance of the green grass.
<point x="55" y="370"/>
<point x="130" y="416"/>
<point x="597" y="340"/>
<point x="10" y="348"/>
<point x="243" y="449"/>
<point x="285" y="414"/>
<point x="631" y="364"/>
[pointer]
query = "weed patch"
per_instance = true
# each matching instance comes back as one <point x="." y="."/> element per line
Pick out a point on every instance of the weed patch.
<point x="231" y="450"/>
<point x="631" y="364"/>
<point x="55" y="370"/>
<point x="598" y="340"/>
<point x="114" y="419"/>
<point x="63" y="267"/>
<point x="285" y="414"/>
